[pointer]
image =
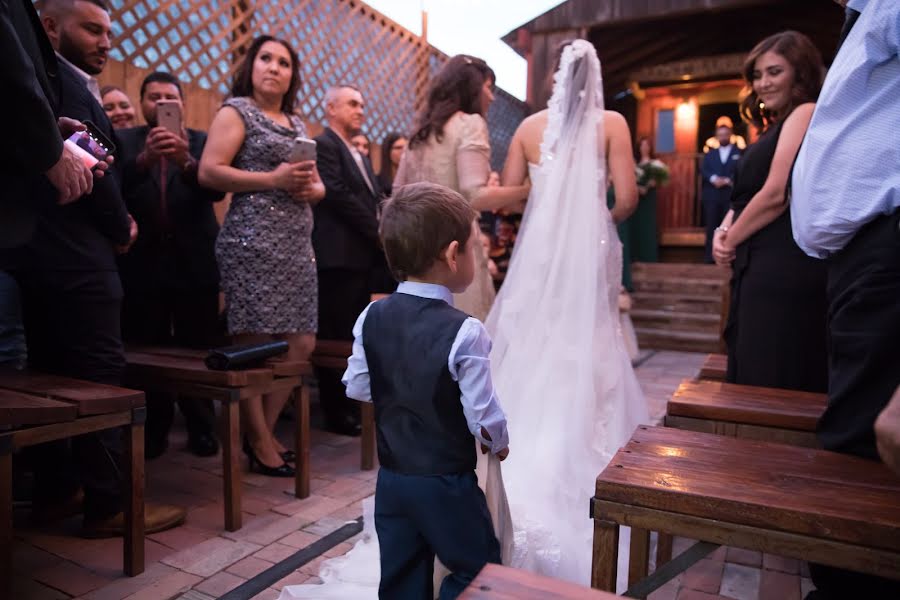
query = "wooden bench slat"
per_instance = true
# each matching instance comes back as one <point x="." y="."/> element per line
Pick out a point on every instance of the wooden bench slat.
<point x="496" y="582"/>
<point x="192" y="369"/>
<point x="714" y="367"/>
<point x="90" y="398"/>
<point x="18" y="409"/>
<point x="280" y="368"/>
<point x="770" y="407"/>
<point x="798" y="490"/>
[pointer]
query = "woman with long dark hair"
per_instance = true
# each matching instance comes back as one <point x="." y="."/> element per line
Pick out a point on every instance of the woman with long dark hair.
<point x="392" y="149"/>
<point x="451" y="147"/>
<point x="776" y="326"/>
<point x="264" y="249"/>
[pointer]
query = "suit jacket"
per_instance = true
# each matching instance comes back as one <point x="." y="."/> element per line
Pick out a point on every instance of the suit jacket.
<point x="175" y="249"/>
<point x="713" y="165"/>
<point x="345" y="235"/>
<point x="81" y="235"/>
<point x="31" y="93"/>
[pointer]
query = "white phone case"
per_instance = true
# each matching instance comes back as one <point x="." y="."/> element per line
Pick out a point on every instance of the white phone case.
<point x="304" y="149"/>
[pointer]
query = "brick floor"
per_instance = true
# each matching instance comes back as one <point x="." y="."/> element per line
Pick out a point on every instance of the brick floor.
<point x="200" y="560"/>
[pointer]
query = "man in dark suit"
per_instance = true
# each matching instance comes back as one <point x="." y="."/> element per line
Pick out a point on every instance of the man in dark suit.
<point x="72" y="293"/>
<point x="170" y="276"/>
<point x="34" y="150"/>
<point x="345" y="239"/>
<point x="718" y="171"/>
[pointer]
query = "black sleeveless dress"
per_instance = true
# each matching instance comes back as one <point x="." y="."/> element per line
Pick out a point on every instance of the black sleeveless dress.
<point x="776" y="330"/>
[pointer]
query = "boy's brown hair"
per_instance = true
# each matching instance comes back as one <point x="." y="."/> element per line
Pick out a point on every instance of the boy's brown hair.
<point x="418" y="222"/>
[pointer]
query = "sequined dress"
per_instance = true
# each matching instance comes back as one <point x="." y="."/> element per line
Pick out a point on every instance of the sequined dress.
<point x="264" y="249"/>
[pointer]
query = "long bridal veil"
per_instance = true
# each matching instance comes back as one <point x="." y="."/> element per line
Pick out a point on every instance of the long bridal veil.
<point x="560" y="366"/>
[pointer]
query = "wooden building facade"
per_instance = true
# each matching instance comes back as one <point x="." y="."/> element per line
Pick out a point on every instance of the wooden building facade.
<point x="671" y="67"/>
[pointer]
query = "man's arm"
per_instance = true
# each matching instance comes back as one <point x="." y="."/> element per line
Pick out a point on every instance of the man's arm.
<point x="37" y="143"/>
<point x="339" y="199"/>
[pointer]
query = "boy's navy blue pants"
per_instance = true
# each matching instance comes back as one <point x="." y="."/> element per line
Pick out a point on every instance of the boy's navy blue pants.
<point x="420" y="516"/>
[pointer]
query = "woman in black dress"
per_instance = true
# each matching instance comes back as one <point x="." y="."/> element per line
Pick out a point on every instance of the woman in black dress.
<point x="776" y="326"/>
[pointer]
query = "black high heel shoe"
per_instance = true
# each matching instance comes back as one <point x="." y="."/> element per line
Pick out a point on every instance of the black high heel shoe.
<point x="282" y="470"/>
<point x="286" y="456"/>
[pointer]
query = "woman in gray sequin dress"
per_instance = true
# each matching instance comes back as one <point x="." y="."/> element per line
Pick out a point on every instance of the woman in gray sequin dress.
<point x="264" y="248"/>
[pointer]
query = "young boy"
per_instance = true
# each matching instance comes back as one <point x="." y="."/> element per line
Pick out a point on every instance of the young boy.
<point x="425" y="366"/>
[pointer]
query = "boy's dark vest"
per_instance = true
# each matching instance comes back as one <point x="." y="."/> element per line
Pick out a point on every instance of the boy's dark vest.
<point x="419" y="420"/>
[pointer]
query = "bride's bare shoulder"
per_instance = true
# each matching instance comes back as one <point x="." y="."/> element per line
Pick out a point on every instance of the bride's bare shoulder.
<point x="614" y="122"/>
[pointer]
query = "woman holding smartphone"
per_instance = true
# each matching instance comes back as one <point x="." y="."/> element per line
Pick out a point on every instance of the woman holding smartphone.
<point x="264" y="248"/>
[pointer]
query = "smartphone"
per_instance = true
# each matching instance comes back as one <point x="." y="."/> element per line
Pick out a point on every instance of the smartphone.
<point x="168" y="115"/>
<point x="304" y="149"/>
<point x="91" y="145"/>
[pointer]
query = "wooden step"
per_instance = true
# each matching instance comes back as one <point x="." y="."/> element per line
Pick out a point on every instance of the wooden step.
<point x="694" y="303"/>
<point x="710" y="288"/>
<point x="676" y="320"/>
<point x="686" y="341"/>
<point x="691" y="270"/>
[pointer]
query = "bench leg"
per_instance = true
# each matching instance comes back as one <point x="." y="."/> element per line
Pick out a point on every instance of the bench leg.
<point x="134" y="496"/>
<point x="367" y="418"/>
<point x="6" y="524"/>
<point x="230" y="466"/>
<point x="663" y="548"/>
<point x="301" y="441"/>
<point x="605" y="557"/>
<point x="639" y="555"/>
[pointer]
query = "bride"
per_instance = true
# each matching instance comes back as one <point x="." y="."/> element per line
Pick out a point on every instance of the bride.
<point x="559" y="363"/>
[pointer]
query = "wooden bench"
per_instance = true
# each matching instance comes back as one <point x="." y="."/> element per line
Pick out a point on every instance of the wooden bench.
<point x="333" y="354"/>
<point x="183" y="371"/>
<point x="791" y="501"/>
<point x="759" y="413"/>
<point x="714" y="367"/>
<point x="37" y="408"/>
<point x="496" y="582"/>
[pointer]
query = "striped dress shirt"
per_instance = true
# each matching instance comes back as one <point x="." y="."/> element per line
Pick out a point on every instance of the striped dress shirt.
<point x="847" y="172"/>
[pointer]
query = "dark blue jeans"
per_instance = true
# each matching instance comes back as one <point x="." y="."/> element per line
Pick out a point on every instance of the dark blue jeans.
<point x="420" y="516"/>
<point x="12" y="331"/>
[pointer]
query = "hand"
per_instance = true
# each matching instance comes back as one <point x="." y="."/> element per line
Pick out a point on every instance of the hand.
<point x="642" y="190"/>
<point x="723" y="252"/>
<point x="70" y="176"/>
<point x="163" y="143"/>
<point x="311" y="188"/>
<point x="887" y="433"/>
<point x="292" y="177"/>
<point x="69" y="126"/>
<point x="132" y="235"/>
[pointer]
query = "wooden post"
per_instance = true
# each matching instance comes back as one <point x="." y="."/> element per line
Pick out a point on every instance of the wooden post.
<point x="663" y="548"/>
<point x="605" y="557"/>
<point x="639" y="555"/>
<point x="230" y="469"/>
<point x="301" y="407"/>
<point x="133" y="555"/>
<point x="6" y="520"/>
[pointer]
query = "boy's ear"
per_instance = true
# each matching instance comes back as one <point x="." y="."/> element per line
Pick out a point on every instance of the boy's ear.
<point x="451" y="256"/>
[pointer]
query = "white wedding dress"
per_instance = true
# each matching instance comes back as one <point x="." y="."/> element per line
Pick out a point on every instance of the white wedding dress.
<point x="559" y="362"/>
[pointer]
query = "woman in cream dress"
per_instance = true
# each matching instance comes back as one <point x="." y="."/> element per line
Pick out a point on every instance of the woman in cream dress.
<point x="451" y="147"/>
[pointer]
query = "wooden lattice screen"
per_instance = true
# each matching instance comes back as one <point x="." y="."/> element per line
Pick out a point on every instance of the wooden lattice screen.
<point x="339" y="41"/>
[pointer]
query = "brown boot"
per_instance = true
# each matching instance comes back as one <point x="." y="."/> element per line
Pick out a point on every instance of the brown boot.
<point x="157" y="517"/>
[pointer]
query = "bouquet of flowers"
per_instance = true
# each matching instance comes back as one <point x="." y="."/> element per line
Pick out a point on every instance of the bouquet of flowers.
<point x="655" y="171"/>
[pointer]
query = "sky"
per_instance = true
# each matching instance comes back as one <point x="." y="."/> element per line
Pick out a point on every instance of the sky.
<point x="472" y="27"/>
